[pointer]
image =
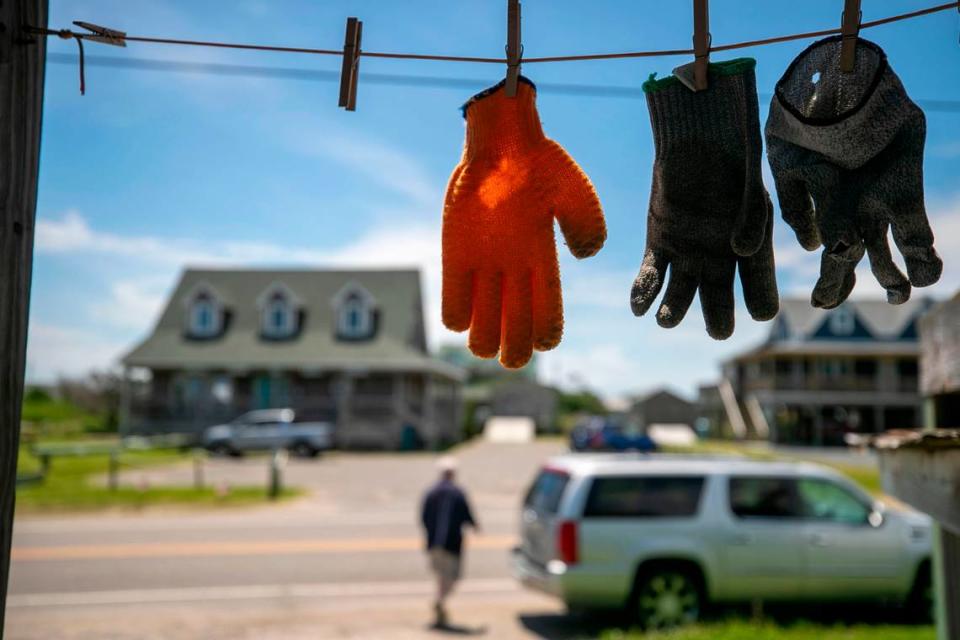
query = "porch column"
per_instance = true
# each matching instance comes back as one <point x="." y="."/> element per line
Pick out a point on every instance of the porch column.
<point x="429" y="411"/>
<point x="398" y="393"/>
<point x="123" y="426"/>
<point x="343" y="399"/>
<point x="818" y="425"/>
<point x="879" y="419"/>
<point x="456" y="409"/>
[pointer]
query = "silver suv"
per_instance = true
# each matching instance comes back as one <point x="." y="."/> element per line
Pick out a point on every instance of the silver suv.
<point x="665" y="535"/>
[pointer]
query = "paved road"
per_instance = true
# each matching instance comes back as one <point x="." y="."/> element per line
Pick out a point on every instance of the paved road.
<point x="343" y="562"/>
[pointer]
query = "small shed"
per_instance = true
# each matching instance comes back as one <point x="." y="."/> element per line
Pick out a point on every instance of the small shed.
<point x="521" y="397"/>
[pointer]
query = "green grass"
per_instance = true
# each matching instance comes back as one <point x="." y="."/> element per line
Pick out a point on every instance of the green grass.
<point x="746" y="630"/>
<point x="866" y="477"/>
<point x="72" y="484"/>
<point x="45" y="417"/>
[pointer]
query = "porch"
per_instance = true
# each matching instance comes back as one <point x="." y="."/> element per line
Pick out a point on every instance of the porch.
<point x="371" y="409"/>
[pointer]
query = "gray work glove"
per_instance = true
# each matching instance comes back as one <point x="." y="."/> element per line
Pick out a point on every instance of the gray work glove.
<point x="846" y="150"/>
<point x="709" y="212"/>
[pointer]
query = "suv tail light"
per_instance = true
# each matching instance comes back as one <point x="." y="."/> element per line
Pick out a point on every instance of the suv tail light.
<point x="567" y="547"/>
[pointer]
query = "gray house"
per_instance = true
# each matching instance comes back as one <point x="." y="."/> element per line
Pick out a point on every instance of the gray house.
<point x="348" y="346"/>
<point x="662" y="407"/>
<point x="824" y="373"/>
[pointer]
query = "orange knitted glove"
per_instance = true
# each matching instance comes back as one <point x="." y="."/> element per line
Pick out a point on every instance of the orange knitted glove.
<point x="501" y="278"/>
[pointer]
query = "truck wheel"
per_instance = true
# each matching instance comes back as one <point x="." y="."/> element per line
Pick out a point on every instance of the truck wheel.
<point x="221" y="450"/>
<point x="666" y="598"/>
<point x="304" y="450"/>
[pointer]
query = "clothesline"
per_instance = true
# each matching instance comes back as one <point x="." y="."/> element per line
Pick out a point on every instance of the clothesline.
<point x="68" y="33"/>
<point x="389" y="79"/>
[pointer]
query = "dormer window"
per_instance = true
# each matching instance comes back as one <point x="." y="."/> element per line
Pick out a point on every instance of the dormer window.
<point x="842" y="322"/>
<point x="204" y="314"/>
<point x="279" y="312"/>
<point x="278" y="317"/>
<point x="356" y="317"/>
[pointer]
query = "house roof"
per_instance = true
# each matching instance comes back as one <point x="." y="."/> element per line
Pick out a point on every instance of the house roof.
<point x="656" y="394"/>
<point x="399" y="343"/>
<point x="886" y="324"/>
<point x="885" y="321"/>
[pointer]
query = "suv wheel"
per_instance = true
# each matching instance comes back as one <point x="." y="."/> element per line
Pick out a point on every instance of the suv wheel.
<point x="920" y="605"/>
<point x="667" y="598"/>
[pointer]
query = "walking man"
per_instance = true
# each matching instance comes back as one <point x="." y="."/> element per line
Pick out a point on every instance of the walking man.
<point x="444" y="514"/>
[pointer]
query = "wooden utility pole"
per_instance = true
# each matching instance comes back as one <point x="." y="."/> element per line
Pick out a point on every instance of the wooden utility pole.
<point x="22" y="59"/>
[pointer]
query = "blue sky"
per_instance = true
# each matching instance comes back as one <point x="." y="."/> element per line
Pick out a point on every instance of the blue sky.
<point x="152" y="171"/>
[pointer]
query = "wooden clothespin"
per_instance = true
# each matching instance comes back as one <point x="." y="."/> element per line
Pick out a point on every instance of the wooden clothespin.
<point x="351" y="64"/>
<point x="849" y="31"/>
<point x="514" y="47"/>
<point x="102" y="34"/>
<point x="694" y="74"/>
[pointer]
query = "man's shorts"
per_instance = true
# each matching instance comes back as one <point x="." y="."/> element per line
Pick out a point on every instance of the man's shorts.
<point x="444" y="564"/>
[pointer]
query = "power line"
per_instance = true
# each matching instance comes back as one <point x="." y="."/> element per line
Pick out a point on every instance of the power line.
<point x="119" y="37"/>
<point x="439" y="82"/>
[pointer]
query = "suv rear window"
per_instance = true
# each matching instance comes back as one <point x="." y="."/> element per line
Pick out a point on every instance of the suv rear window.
<point x="544" y="496"/>
<point x="644" y="497"/>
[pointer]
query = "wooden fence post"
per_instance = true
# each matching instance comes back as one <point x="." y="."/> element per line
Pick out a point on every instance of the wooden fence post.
<point x="22" y="59"/>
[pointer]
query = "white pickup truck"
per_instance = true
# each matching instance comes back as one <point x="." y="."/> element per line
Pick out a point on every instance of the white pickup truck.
<point x="269" y="429"/>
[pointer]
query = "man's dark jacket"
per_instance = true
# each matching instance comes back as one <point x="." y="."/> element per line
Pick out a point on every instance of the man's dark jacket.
<point x="445" y="512"/>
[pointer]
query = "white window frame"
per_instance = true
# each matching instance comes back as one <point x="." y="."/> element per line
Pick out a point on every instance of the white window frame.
<point x="278" y="293"/>
<point x="354" y="298"/>
<point x="272" y="330"/>
<point x="842" y="322"/>
<point x="345" y="327"/>
<point x="201" y="296"/>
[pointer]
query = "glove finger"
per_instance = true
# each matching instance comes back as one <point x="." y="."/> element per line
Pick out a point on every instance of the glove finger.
<point x="649" y="281"/>
<point x="456" y="298"/>
<point x="886" y="271"/>
<point x="716" y="297"/>
<point x="575" y="203"/>
<point x="680" y="291"/>
<point x="516" y="344"/>
<point x="914" y="238"/>
<point x="751" y="223"/>
<point x="758" y="276"/>
<point x="837" y="278"/>
<point x="547" y="309"/>
<point x="485" y="324"/>
<point x="800" y="217"/>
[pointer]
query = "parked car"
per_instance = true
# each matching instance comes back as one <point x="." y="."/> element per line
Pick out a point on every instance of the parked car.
<point x="267" y="430"/>
<point x="608" y="434"/>
<point x="666" y="535"/>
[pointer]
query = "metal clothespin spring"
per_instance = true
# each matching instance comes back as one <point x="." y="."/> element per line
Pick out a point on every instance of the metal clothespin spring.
<point x="66" y="34"/>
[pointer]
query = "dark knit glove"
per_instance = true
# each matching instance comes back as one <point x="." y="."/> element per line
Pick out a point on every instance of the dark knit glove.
<point x="846" y="150"/>
<point x="709" y="212"/>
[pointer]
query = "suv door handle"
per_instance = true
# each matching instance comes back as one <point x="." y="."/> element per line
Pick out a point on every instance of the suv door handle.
<point x="819" y="540"/>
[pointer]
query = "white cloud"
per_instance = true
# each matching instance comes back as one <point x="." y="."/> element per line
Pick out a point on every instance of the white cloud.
<point x="379" y="164"/>
<point x="54" y="351"/>
<point x="132" y="303"/>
